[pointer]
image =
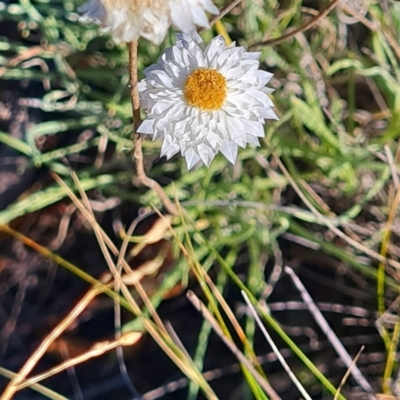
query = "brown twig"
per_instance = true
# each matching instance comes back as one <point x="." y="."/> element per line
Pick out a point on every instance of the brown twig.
<point x="303" y="28"/>
<point x="224" y="10"/>
<point x="137" y="150"/>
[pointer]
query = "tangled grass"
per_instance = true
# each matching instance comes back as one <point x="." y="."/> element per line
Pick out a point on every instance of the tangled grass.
<point x="320" y="197"/>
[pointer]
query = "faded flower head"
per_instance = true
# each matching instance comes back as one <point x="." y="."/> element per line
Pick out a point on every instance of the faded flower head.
<point x="127" y="20"/>
<point x="205" y="100"/>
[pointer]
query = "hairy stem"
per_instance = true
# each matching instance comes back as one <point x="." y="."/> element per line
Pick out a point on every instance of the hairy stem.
<point x="137" y="150"/>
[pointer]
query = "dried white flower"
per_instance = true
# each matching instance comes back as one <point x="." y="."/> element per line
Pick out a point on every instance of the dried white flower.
<point x="127" y="20"/>
<point x="202" y="101"/>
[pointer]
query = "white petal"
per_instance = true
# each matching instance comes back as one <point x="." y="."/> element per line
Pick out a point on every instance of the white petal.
<point x="169" y="148"/>
<point x="126" y="20"/>
<point x="146" y="127"/>
<point x="229" y="150"/>
<point x="206" y="153"/>
<point x="269" y="114"/>
<point x="254" y="128"/>
<point x="192" y="158"/>
<point x="199" y="16"/>
<point x="154" y="25"/>
<point x="207" y="5"/>
<point x="264" y="77"/>
<point x="253" y="140"/>
<point x="252" y="55"/>
<point x="181" y="16"/>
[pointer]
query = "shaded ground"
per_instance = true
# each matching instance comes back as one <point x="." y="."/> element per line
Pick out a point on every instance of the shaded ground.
<point x="36" y="294"/>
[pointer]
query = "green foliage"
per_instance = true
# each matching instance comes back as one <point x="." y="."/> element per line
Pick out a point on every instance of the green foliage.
<point x="330" y="152"/>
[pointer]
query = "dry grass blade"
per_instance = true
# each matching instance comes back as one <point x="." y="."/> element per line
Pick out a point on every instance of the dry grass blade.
<point x="35" y="386"/>
<point x="359" y="17"/>
<point x="348" y="372"/>
<point x="13" y="386"/>
<point x="334" y="340"/>
<point x="387" y="233"/>
<point x="393" y="167"/>
<point x="233" y="320"/>
<point x="176" y="338"/>
<point x="97" y="350"/>
<point x="131" y="277"/>
<point x="328" y="223"/>
<point x="157" y="332"/>
<point x="322" y="189"/>
<point x="202" y="277"/>
<point x="232" y="347"/>
<point x="275" y="349"/>
<point x="117" y="308"/>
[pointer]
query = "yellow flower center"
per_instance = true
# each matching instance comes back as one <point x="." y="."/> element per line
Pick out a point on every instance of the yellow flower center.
<point x="206" y="89"/>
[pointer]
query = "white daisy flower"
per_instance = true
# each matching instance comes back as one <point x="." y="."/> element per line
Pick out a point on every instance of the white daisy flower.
<point x="202" y="101"/>
<point x="126" y="20"/>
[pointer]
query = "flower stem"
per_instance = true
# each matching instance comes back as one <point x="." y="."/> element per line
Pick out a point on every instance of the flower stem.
<point x="137" y="149"/>
<point x="133" y="46"/>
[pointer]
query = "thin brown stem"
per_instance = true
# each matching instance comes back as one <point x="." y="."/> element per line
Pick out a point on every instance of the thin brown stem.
<point x="133" y="47"/>
<point x="12" y="387"/>
<point x="137" y="149"/>
<point x="313" y="21"/>
<point x="224" y="10"/>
